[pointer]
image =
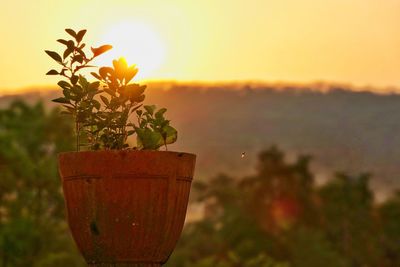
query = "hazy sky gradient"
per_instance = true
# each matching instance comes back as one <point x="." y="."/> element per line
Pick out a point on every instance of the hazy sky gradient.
<point x="350" y="41"/>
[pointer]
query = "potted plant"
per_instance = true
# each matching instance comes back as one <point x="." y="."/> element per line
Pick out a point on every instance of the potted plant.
<point x="125" y="205"/>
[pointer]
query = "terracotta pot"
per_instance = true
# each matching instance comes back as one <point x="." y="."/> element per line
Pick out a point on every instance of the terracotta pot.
<point x="126" y="208"/>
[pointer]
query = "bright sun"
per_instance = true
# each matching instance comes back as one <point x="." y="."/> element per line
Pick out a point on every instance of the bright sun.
<point x="138" y="43"/>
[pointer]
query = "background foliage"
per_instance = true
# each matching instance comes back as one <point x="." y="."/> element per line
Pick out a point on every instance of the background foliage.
<point x="277" y="217"/>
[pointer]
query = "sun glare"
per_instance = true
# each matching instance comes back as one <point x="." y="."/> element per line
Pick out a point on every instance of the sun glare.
<point x="138" y="43"/>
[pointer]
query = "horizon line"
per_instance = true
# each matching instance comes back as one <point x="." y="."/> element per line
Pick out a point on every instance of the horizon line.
<point x="318" y="85"/>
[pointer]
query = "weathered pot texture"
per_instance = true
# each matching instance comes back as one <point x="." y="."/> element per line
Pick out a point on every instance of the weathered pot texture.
<point x="126" y="208"/>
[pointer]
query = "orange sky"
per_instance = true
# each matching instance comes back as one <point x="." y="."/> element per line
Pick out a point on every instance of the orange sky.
<point x="350" y="41"/>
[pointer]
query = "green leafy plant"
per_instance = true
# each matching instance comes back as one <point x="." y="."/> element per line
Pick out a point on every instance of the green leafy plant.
<point x="154" y="130"/>
<point x="102" y="109"/>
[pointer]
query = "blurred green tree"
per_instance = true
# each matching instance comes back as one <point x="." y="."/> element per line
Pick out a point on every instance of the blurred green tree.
<point x="33" y="231"/>
<point x="349" y="220"/>
<point x="279" y="217"/>
<point x="390" y="231"/>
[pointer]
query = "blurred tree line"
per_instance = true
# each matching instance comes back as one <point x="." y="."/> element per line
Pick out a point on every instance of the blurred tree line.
<point x="33" y="231"/>
<point x="275" y="218"/>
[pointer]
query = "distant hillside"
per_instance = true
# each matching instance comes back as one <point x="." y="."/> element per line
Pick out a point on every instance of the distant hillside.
<point x="344" y="130"/>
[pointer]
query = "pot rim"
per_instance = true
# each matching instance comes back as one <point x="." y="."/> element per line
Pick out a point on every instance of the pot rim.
<point x="116" y="151"/>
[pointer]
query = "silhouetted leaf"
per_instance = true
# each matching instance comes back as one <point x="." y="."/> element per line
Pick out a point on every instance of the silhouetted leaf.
<point x="52" y="72"/>
<point x="74" y="79"/>
<point x="64" y="42"/>
<point x="62" y="100"/>
<point x="105" y="71"/>
<point x="105" y="100"/>
<point x="64" y="85"/>
<point x="71" y="32"/>
<point x="100" y="50"/>
<point x="67" y="93"/>
<point x="54" y="56"/>
<point x="96" y="104"/>
<point x="83" y="66"/>
<point x="80" y="51"/>
<point x="80" y="35"/>
<point x="94" y="74"/>
<point x="114" y="103"/>
<point x="77" y="58"/>
<point x="94" y="85"/>
<point x="63" y="71"/>
<point x="135" y="108"/>
<point x="67" y="52"/>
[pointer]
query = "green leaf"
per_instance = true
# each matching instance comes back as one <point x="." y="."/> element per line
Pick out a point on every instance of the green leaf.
<point x="79" y="35"/>
<point x="67" y="93"/>
<point x="147" y="139"/>
<point x="83" y="81"/>
<point x="96" y="104"/>
<point x="54" y="56"/>
<point x="150" y="109"/>
<point x="64" y="85"/>
<point x="160" y="113"/>
<point x="170" y="134"/>
<point x="71" y="32"/>
<point x="78" y="92"/>
<point x="61" y="100"/>
<point x="52" y="72"/>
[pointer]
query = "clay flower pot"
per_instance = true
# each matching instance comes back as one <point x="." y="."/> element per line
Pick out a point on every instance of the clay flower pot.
<point x="126" y="208"/>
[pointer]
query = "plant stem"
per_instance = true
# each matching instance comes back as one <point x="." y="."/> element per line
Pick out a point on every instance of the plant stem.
<point x="77" y="136"/>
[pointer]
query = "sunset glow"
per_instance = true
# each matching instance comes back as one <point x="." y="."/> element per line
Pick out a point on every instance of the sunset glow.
<point x="138" y="43"/>
<point x="352" y="42"/>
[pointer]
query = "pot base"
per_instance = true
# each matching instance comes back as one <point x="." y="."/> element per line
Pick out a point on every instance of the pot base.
<point x="124" y="265"/>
